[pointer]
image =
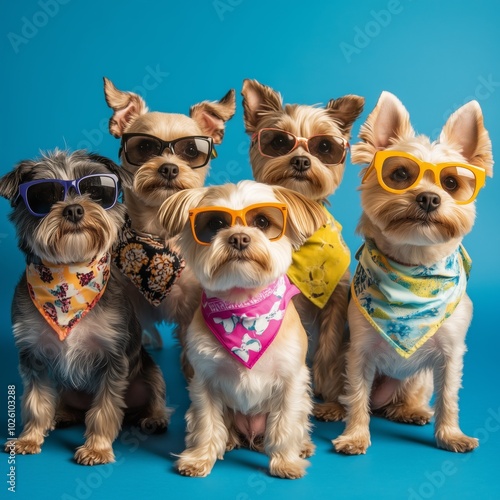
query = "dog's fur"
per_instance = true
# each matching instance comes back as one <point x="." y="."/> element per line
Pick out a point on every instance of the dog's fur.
<point x="100" y="372"/>
<point x="273" y="398"/>
<point x="150" y="189"/>
<point x="406" y="233"/>
<point x="263" y="108"/>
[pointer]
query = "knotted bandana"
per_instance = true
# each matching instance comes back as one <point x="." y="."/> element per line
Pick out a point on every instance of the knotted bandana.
<point x="247" y="329"/>
<point x="151" y="265"/>
<point x="65" y="293"/>
<point x="319" y="264"/>
<point x="408" y="304"/>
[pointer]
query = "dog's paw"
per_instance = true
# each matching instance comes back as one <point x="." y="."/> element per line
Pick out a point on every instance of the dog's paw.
<point x="287" y="469"/>
<point x="90" y="456"/>
<point x="194" y="468"/>
<point x="329" y="412"/>
<point x="23" y="447"/>
<point x="308" y="449"/>
<point x="349" y="444"/>
<point x="406" y="415"/>
<point x="457" y="442"/>
<point x="153" y="425"/>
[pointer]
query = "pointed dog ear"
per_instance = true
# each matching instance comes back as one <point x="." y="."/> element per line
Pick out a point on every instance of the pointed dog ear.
<point x="305" y="216"/>
<point x="127" y="106"/>
<point x="211" y="116"/>
<point x="345" y="110"/>
<point x="9" y="183"/>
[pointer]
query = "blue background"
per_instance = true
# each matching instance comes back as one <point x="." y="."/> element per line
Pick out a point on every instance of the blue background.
<point x="434" y="55"/>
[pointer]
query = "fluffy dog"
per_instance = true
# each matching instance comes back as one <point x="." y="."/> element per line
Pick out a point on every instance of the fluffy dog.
<point x="166" y="153"/>
<point x="79" y="341"/>
<point x="304" y="148"/>
<point x="410" y="312"/>
<point x="246" y="343"/>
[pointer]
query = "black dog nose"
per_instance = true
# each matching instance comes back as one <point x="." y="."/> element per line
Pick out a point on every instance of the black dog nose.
<point x="239" y="241"/>
<point x="300" y="163"/>
<point x="73" y="213"/>
<point x="428" y="201"/>
<point x="169" y="170"/>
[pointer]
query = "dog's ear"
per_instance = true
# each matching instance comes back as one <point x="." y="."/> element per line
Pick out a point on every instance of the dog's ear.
<point x="305" y="216"/>
<point x="127" y="106"/>
<point x="388" y="122"/>
<point x="212" y="116"/>
<point x="174" y="212"/>
<point x="126" y="178"/>
<point x="465" y="131"/>
<point x="345" y="110"/>
<point x="9" y="183"/>
<point x="258" y="100"/>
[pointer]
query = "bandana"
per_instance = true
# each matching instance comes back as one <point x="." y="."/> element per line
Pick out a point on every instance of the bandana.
<point x="151" y="265"/>
<point x="319" y="264"/>
<point x="65" y="293"/>
<point x="247" y="329"/>
<point x="408" y="304"/>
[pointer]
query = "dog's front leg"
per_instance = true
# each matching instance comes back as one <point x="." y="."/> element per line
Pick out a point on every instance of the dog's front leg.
<point x="207" y="434"/>
<point x="38" y="408"/>
<point x="104" y="419"/>
<point x="287" y="437"/>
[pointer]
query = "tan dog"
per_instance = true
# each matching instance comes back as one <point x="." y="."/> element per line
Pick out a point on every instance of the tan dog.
<point x="410" y="313"/>
<point x="246" y="342"/>
<point x="166" y="153"/>
<point x="304" y="148"/>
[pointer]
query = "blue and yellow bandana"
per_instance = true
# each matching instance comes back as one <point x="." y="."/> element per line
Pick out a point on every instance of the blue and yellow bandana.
<point x="407" y="304"/>
<point x="319" y="264"/>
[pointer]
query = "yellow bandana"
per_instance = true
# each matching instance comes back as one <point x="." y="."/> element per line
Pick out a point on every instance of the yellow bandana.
<point x="64" y="293"/>
<point x="319" y="264"/>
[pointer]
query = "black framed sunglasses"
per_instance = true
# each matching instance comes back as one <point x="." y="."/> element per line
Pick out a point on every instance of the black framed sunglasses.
<point x="39" y="195"/>
<point x="196" y="150"/>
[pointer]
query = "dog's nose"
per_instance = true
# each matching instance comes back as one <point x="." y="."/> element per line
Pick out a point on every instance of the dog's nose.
<point x="239" y="241"/>
<point x="428" y="201"/>
<point x="73" y="213"/>
<point x="169" y="170"/>
<point x="300" y="163"/>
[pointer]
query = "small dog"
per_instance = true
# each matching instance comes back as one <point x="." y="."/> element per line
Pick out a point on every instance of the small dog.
<point x="166" y="153"/>
<point x="304" y="148"/>
<point x="79" y="341"/>
<point x="409" y="312"/>
<point x="246" y="343"/>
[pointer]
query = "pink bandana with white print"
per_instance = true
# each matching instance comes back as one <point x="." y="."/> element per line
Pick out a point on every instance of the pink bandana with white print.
<point x="247" y="329"/>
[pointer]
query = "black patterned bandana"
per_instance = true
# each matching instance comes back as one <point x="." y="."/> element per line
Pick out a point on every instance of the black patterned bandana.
<point x="151" y="265"/>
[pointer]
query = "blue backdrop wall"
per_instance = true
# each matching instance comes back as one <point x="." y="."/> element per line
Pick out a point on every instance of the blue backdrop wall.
<point x="434" y="55"/>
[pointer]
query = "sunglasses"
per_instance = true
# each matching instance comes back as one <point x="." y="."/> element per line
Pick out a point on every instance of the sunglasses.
<point x="41" y="194"/>
<point x="398" y="172"/>
<point x="273" y="142"/>
<point x="206" y="222"/>
<point x="195" y="150"/>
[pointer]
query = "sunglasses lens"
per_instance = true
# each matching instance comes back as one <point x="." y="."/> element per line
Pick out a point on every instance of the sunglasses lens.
<point x="195" y="150"/>
<point x="139" y="149"/>
<point x="399" y="173"/>
<point x="270" y="220"/>
<point x="100" y="188"/>
<point x="208" y="224"/>
<point x="275" y="142"/>
<point x="40" y="197"/>
<point x="458" y="182"/>
<point x="329" y="149"/>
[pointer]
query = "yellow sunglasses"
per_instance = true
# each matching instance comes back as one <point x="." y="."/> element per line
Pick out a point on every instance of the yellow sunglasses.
<point x="398" y="172"/>
<point x="206" y="222"/>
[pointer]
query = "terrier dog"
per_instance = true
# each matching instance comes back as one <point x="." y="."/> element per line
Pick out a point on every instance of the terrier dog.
<point x="166" y="153"/>
<point x="409" y="312"/>
<point x="79" y="341"/>
<point x="304" y="148"/>
<point x="246" y="343"/>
